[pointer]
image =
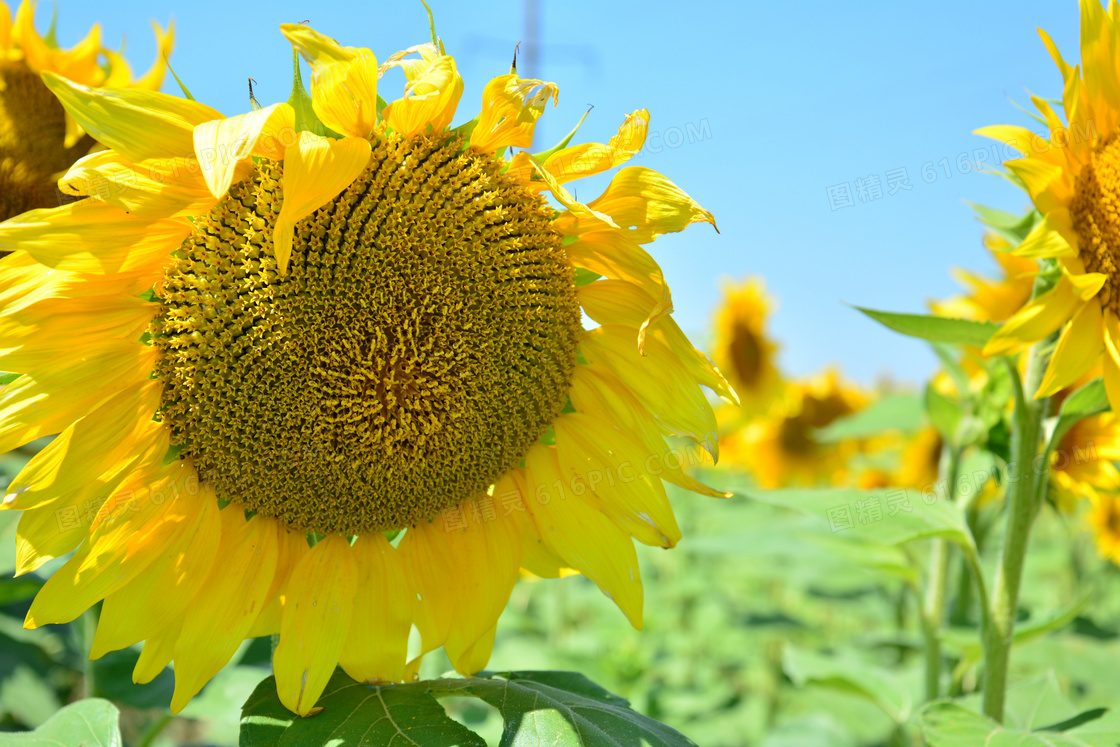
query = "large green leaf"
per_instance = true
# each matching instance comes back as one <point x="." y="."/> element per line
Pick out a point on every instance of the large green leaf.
<point x="87" y="723"/>
<point x="894" y="412"/>
<point x="935" y="328"/>
<point x="880" y="686"/>
<point x="948" y="724"/>
<point x="539" y="708"/>
<point x="877" y="515"/>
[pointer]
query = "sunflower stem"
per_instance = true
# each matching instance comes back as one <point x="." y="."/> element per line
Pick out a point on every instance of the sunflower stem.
<point x="934" y="611"/>
<point x="1022" y="507"/>
<point x="89" y="629"/>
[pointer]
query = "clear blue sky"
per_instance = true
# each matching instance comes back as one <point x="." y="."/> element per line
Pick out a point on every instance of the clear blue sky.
<point x="784" y="100"/>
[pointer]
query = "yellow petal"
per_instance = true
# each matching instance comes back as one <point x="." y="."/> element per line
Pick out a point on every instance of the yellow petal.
<point x="317" y="618"/>
<point x="138" y="124"/>
<point x="157" y="653"/>
<point x="604" y="466"/>
<point x="292" y="547"/>
<point x="344" y="96"/>
<point x="660" y="382"/>
<point x="86" y="449"/>
<point x="1044" y="241"/>
<point x="162" y="593"/>
<point x="463" y="565"/>
<point x="511" y="107"/>
<point x="165" y="40"/>
<point x="621" y="302"/>
<point x="91" y="237"/>
<point x="319" y="49"/>
<point x="35" y="336"/>
<point x="56" y="527"/>
<point x="316" y="170"/>
<point x="52" y="399"/>
<point x="377" y="643"/>
<point x="1019" y="138"/>
<point x="231" y="597"/>
<point x="429" y="100"/>
<point x="222" y="144"/>
<point x="644" y="203"/>
<point x="127" y="535"/>
<point x="536" y="557"/>
<point x="578" y="161"/>
<point x="1078" y="350"/>
<point x="1111" y="359"/>
<point x="1036" y="320"/>
<point x="596" y="391"/>
<point x="583" y="535"/>
<point x="155" y="188"/>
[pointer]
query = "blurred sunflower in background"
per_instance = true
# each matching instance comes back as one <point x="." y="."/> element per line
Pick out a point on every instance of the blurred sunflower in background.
<point x="743" y="349"/>
<point x="1074" y="180"/>
<point x="784" y="448"/>
<point x="39" y="140"/>
<point x="319" y="371"/>
<point x="1104" y="523"/>
<point x="991" y="299"/>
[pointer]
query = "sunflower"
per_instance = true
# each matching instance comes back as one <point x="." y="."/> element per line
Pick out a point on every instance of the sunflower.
<point x="319" y="371"/>
<point x="783" y="448"/>
<point x="1082" y="461"/>
<point x="743" y="350"/>
<point x="1073" y="179"/>
<point x="988" y="299"/>
<point x="38" y="139"/>
<point x="1104" y="522"/>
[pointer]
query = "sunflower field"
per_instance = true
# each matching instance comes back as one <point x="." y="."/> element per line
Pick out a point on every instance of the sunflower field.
<point x="361" y="417"/>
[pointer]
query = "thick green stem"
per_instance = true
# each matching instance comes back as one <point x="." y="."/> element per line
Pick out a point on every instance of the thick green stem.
<point x="1022" y="506"/>
<point x="933" y="613"/>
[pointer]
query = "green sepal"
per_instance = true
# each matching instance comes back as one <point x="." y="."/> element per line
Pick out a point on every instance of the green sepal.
<point x="183" y="87"/>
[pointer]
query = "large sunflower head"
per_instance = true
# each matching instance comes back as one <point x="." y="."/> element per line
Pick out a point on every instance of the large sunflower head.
<point x="1073" y="178"/>
<point x="38" y="139"/>
<point x="318" y="370"/>
<point x="742" y="348"/>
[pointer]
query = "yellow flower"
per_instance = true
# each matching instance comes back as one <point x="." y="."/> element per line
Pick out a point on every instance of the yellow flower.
<point x="782" y="448"/>
<point x="1104" y="521"/>
<point x="742" y="350"/>
<point x="991" y="300"/>
<point x="38" y="140"/>
<point x="1082" y="461"/>
<point x="272" y="335"/>
<point x="921" y="460"/>
<point x="1074" y="180"/>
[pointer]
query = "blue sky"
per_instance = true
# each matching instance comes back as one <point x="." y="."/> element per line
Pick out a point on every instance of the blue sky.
<point x="757" y="109"/>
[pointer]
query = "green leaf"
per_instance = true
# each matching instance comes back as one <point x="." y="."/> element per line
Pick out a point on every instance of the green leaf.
<point x="948" y="724"/>
<point x="893" y="412"/>
<point x="555" y="708"/>
<point x="18" y="589"/>
<point x="877" y="515"/>
<point x="353" y="714"/>
<point x="968" y="641"/>
<point x="562" y="708"/>
<point x="935" y="328"/>
<point x="880" y="686"/>
<point x="1010" y="226"/>
<point x="88" y="723"/>
<point x="944" y="413"/>
<point x="1087" y="401"/>
<point x="113" y="673"/>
